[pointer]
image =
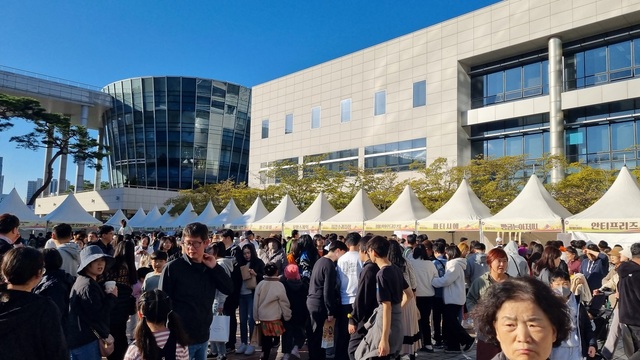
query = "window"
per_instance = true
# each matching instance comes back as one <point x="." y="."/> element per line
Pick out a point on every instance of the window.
<point x="396" y="156"/>
<point x="288" y="124"/>
<point x="420" y="93"/>
<point x="315" y="117"/>
<point x="345" y="110"/>
<point x="265" y="129"/>
<point x="380" y="103"/>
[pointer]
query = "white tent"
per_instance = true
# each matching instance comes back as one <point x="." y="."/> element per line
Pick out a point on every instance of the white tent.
<point x="401" y="215"/>
<point x="12" y="203"/>
<point x="116" y="218"/>
<point x="256" y="212"/>
<point x="462" y="212"/>
<point x="208" y="214"/>
<point x="227" y="215"/>
<point x="311" y="219"/>
<point x="71" y="212"/>
<point x="166" y="220"/>
<point x="151" y="220"/>
<point x="284" y="212"/>
<point x="352" y="217"/>
<point x="618" y="210"/>
<point x="533" y="210"/>
<point x="188" y="216"/>
<point x="137" y="218"/>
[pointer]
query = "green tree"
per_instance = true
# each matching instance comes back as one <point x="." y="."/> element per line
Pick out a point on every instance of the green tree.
<point x="17" y="107"/>
<point x="437" y="184"/>
<point x="582" y="187"/>
<point x="87" y="186"/>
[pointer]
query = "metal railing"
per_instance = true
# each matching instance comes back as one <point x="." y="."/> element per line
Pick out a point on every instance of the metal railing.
<point x="49" y="78"/>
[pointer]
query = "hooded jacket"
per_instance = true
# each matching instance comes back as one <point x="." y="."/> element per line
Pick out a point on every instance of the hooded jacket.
<point x="453" y="282"/>
<point x="56" y="285"/>
<point x="30" y="327"/>
<point x="89" y="309"/>
<point x="476" y="266"/>
<point x="629" y="293"/>
<point x="70" y="253"/>
<point x="517" y="264"/>
<point x="297" y="292"/>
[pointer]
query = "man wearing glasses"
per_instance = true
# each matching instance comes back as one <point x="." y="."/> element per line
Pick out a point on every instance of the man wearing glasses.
<point x="191" y="282"/>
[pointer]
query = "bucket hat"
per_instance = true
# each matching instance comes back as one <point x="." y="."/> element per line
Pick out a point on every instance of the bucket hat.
<point x="91" y="253"/>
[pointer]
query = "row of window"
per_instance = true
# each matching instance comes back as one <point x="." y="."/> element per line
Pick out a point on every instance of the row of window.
<point x="379" y="108"/>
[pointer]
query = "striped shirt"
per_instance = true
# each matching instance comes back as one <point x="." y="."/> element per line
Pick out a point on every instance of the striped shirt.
<point x="182" y="352"/>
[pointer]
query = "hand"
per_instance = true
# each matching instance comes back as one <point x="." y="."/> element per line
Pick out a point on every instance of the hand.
<point x="330" y="318"/>
<point x="252" y="272"/>
<point x="220" y="310"/>
<point x="596" y="292"/>
<point x="592" y="351"/>
<point x="383" y="347"/>
<point x="352" y="329"/>
<point x="209" y="260"/>
<point x="114" y="291"/>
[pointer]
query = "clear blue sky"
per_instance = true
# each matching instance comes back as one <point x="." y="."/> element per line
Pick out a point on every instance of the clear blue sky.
<point x="243" y="41"/>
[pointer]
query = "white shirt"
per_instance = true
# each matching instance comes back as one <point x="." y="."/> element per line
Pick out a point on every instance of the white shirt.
<point x="349" y="268"/>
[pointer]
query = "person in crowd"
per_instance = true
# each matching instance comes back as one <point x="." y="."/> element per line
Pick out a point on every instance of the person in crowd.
<point x="294" y="253"/>
<point x="330" y="239"/>
<point x="231" y="304"/>
<point x="476" y="263"/>
<point x="522" y="308"/>
<point x="191" y="282"/>
<point x="440" y="262"/>
<point x="124" y="228"/>
<point x="143" y="252"/>
<point x="275" y="253"/>
<point x="410" y="315"/>
<point x="464" y="249"/>
<point x="425" y="271"/>
<point x="105" y="237"/>
<point x="123" y="272"/>
<point x="90" y="306"/>
<point x="497" y="262"/>
<point x="56" y="284"/>
<point x="610" y="284"/>
<point x="349" y="268"/>
<point x="319" y="242"/>
<point x="170" y="246"/>
<point x="270" y="307"/>
<point x="80" y="237"/>
<point x="365" y="302"/>
<point x="297" y="292"/>
<point x="69" y="250"/>
<point x="548" y="263"/>
<point x="582" y="340"/>
<point x="409" y="246"/>
<point x="30" y="325"/>
<point x="454" y="298"/>
<point x="517" y="264"/>
<point x="595" y="267"/>
<point x="256" y="269"/>
<point x="9" y="233"/>
<point x="384" y="338"/>
<point x="141" y="273"/>
<point x="629" y="296"/>
<point x="322" y="301"/>
<point x="573" y="260"/>
<point x="158" y="262"/>
<point x="159" y="333"/>
<point x="536" y="253"/>
<point x="295" y="235"/>
<point x="219" y="348"/>
<point x="308" y="256"/>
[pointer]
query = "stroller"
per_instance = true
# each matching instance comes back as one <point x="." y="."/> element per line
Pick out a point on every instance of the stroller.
<point x="601" y="315"/>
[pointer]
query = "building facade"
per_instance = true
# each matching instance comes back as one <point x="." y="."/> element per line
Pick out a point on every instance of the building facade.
<point x="174" y="132"/>
<point x="518" y="77"/>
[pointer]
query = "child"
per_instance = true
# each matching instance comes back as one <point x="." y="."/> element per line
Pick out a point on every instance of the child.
<point x="297" y="291"/>
<point x="218" y="348"/>
<point x="270" y="305"/>
<point x="137" y="291"/>
<point x="158" y="261"/>
<point x="159" y="333"/>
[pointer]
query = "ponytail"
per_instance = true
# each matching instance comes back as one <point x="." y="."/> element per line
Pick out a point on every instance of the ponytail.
<point x="145" y="340"/>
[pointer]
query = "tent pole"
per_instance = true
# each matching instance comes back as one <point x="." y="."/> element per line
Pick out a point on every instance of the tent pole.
<point x="481" y="231"/>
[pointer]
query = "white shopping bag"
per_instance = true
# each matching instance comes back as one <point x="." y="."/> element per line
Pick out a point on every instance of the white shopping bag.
<point x="219" y="329"/>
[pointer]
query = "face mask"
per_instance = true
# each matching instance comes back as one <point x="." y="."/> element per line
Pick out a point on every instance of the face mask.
<point x="562" y="291"/>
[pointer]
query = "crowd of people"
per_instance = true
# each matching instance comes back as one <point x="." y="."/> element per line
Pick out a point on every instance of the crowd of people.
<point x="124" y="295"/>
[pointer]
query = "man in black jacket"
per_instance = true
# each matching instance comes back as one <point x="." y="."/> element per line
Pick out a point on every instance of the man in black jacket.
<point x="231" y="304"/>
<point x="191" y="282"/>
<point x="629" y="296"/>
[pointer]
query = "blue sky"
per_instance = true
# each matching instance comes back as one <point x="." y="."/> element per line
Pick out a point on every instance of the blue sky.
<point x="243" y="41"/>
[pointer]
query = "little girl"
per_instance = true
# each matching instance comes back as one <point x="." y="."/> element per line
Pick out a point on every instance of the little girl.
<point x="270" y="306"/>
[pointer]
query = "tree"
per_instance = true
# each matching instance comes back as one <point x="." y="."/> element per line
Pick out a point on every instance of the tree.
<point x="582" y="187"/>
<point x="17" y="107"/>
<point x="56" y="132"/>
<point x="438" y="183"/>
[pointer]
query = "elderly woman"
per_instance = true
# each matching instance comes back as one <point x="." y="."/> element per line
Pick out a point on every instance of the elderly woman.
<point x="523" y="316"/>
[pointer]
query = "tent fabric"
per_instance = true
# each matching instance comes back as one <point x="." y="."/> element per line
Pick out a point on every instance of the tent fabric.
<point x="311" y="219"/>
<point x="256" y="212"/>
<point x="12" y="203"/>
<point x="188" y="216"/>
<point x="533" y="210"/>
<point x="116" y="218"/>
<point x="71" y="212"/>
<point x="207" y="214"/>
<point x="618" y="210"/>
<point x="401" y="215"/>
<point x="228" y="214"/>
<point x="137" y="218"/>
<point x="284" y="212"/>
<point x="353" y="216"/>
<point x="462" y="212"/>
<point x="150" y="221"/>
<point x="166" y="220"/>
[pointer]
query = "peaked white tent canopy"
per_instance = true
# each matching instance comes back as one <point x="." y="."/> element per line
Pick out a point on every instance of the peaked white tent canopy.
<point x="311" y="219"/>
<point x="137" y="218"/>
<point x="13" y="204"/>
<point x="352" y="217"/>
<point x="207" y="214"/>
<point x="116" y="218"/>
<point x="401" y="215"/>
<point x="618" y="210"/>
<point x="166" y="220"/>
<point x="462" y="212"/>
<point x="71" y="212"/>
<point x="533" y="210"/>
<point x="284" y="212"/>
<point x="228" y="214"/>
<point x="188" y="216"/>
<point x="256" y="212"/>
<point x="150" y="222"/>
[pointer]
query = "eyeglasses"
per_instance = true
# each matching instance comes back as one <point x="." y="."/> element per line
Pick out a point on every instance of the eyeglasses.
<point x="193" y="244"/>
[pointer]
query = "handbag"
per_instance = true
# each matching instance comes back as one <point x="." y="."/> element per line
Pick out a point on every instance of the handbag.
<point x="250" y="281"/>
<point x="328" y="331"/>
<point x="106" y="345"/>
<point x="256" y="337"/>
<point x="219" y="329"/>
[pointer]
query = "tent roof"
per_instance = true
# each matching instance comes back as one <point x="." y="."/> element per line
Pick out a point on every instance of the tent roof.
<point x="228" y="214"/>
<point x="284" y="212"/>
<point x="137" y="218"/>
<point x="319" y="211"/>
<point x="166" y="220"/>
<point x="152" y="218"/>
<point x="71" y="212"/>
<point x="463" y="205"/>
<point x="115" y="219"/>
<point x="188" y="216"/>
<point x="360" y="209"/>
<point x="256" y="212"/>
<point x="12" y="203"/>
<point x="406" y="208"/>
<point x="207" y="214"/>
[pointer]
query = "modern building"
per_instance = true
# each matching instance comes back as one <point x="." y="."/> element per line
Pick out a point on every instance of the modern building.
<point x="518" y="77"/>
<point x="32" y="187"/>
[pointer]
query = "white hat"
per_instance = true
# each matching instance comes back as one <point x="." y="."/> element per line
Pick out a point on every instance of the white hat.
<point x="499" y="240"/>
<point x="626" y="252"/>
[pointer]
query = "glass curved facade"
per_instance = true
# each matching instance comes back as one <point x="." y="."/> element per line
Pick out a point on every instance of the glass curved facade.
<point x="174" y="132"/>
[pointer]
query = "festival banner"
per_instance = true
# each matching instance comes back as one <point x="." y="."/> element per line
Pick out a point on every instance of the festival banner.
<point x="374" y="226"/>
<point x="606" y="226"/>
<point x="522" y="226"/>
<point x="453" y="225"/>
